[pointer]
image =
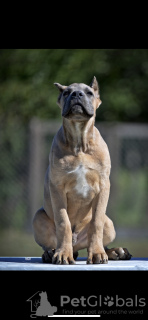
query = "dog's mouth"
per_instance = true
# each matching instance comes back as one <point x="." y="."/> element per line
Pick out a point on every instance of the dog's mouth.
<point x="77" y="111"/>
<point x="77" y="108"/>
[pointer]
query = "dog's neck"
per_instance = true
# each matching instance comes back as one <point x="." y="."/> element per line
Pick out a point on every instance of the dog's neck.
<point x="78" y="135"/>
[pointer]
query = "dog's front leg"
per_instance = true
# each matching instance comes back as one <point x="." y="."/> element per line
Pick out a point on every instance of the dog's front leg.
<point x="64" y="250"/>
<point x="96" y="252"/>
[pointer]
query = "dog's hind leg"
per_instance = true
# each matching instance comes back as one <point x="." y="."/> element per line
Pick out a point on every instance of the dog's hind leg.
<point x="108" y="231"/>
<point x="108" y="236"/>
<point x="45" y="234"/>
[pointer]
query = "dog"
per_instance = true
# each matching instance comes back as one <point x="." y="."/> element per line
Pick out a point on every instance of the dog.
<point x="45" y="308"/>
<point x="77" y="185"/>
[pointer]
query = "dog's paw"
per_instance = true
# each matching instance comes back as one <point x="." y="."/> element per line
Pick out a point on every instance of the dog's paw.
<point x="118" y="254"/>
<point x="109" y="301"/>
<point x="47" y="256"/>
<point x="97" y="258"/>
<point x="63" y="257"/>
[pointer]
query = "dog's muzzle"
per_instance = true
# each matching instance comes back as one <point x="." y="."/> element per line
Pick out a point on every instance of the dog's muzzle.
<point x="78" y="105"/>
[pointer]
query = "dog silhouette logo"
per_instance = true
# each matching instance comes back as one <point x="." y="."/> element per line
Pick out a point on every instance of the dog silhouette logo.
<point x="40" y="306"/>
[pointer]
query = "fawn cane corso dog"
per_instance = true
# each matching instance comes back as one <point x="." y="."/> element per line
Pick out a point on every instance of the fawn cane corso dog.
<point x="77" y="185"/>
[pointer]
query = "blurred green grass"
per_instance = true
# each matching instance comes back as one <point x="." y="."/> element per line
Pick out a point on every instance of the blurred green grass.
<point x="131" y="205"/>
<point x="19" y="243"/>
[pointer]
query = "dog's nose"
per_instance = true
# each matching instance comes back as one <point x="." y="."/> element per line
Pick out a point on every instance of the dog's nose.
<point x="77" y="94"/>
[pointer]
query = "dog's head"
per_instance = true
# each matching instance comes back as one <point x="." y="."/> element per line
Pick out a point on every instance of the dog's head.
<point x="79" y="101"/>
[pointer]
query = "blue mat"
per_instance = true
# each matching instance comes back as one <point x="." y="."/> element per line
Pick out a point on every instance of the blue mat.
<point x="29" y="259"/>
<point x="39" y="259"/>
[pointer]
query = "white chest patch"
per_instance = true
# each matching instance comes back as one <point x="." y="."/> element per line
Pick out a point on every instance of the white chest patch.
<point x="82" y="187"/>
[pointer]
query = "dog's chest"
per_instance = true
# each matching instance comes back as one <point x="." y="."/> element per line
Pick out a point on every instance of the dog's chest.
<point x="83" y="185"/>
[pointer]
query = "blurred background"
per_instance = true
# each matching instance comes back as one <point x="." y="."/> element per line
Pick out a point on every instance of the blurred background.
<point x="29" y="118"/>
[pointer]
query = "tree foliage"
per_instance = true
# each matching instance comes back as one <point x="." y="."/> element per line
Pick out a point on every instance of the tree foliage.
<point x="27" y="77"/>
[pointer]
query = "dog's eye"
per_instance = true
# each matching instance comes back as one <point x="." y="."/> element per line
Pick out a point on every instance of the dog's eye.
<point x="65" y="93"/>
<point x="90" y="93"/>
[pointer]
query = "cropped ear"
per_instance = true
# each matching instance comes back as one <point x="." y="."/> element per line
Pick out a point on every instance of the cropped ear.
<point x="60" y="87"/>
<point x="94" y="85"/>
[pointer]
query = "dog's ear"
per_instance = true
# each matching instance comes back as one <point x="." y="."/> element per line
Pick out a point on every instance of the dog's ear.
<point x="60" y="87"/>
<point x="94" y="85"/>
